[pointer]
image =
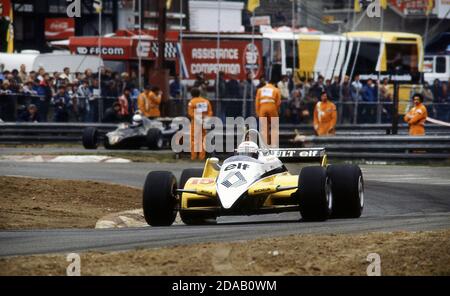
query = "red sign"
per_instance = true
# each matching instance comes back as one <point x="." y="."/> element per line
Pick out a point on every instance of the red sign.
<point x="234" y="58"/>
<point x="59" y="28"/>
<point x="5" y="8"/>
<point x="411" y="7"/>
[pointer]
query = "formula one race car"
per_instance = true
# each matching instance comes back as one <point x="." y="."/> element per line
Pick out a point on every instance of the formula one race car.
<point x="141" y="132"/>
<point x="255" y="181"/>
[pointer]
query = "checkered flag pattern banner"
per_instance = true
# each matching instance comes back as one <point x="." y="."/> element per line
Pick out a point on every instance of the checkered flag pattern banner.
<point x="170" y="49"/>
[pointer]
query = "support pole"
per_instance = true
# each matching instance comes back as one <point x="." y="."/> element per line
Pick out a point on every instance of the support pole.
<point x="100" y="99"/>
<point x="252" y="70"/>
<point x="394" y="128"/>
<point x="182" y="94"/>
<point x="161" y="34"/>
<point x="160" y="76"/>
<point x="218" y="103"/>
<point x="379" y="106"/>
<point x="141" y="87"/>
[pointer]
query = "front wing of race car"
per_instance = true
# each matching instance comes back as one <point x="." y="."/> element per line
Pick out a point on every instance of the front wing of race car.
<point x="272" y="194"/>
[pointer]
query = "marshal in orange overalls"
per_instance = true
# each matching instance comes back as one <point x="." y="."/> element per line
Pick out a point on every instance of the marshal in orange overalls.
<point x="416" y="118"/>
<point x="325" y="118"/>
<point x="198" y="109"/>
<point x="267" y="103"/>
<point x="148" y="103"/>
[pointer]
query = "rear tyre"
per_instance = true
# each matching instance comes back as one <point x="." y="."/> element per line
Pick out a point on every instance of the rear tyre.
<point x="159" y="198"/>
<point x="189" y="218"/>
<point x="314" y="193"/>
<point x="154" y="139"/>
<point x="348" y="190"/>
<point x="107" y="145"/>
<point x="90" y="138"/>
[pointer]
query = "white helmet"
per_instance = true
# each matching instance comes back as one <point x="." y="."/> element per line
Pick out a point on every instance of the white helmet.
<point x="137" y="119"/>
<point x="248" y="148"/>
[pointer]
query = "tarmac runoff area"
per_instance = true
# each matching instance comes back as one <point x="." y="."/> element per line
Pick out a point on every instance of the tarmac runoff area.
<point x="401" y="203"/>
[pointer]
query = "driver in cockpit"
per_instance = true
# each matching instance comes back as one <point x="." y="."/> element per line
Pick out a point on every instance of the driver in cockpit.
<point x="137" y="120"/>
<point x="248" y="148"/>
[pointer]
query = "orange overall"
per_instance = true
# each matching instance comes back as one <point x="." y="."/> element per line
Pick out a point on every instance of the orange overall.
<point x="149" y="103"/>
<point x="267" y="103"/>
<point x="325" y="118"/>
<point x="416" y="118"/>
<point x="198" y="109"/>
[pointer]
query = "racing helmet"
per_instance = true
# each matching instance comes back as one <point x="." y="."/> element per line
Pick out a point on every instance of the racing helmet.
<point x="248" y="148"/>
<point x="137" y="119"/>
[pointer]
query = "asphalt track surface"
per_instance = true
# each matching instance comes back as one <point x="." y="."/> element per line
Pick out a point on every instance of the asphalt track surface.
<point x="397" y="198"/>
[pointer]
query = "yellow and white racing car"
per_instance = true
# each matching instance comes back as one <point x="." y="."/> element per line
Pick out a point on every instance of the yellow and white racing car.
<point x="255" y="181"/>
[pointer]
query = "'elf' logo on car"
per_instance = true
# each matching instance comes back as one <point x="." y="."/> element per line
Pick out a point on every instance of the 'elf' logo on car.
<point x="238" y="166"/>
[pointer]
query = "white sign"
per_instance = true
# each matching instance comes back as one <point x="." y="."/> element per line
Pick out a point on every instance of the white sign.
<point x="260" y="20"/>
<point x="443" y="8"/>
<point x="203" y="16"/>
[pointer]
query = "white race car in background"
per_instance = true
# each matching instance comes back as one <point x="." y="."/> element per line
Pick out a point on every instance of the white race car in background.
<point x="142" y="132"/>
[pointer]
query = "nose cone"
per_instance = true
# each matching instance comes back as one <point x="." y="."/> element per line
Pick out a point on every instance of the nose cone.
<point x="231" y="187"/>
<point x="235" y="178"/>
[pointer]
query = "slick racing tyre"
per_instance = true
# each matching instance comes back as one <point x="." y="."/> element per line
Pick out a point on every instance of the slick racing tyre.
<point x="314" y="194"/>
<point x="154" y="139"/>
<point x="347" y="184"/>
<point x="90" y="138"/>
<point x="159" y="198"/>
<point x="189" y="173"/>
<point x="189" y="218"/>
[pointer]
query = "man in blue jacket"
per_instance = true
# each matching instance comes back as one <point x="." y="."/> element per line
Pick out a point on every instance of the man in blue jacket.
<point x="370" y="98"/>
<point x="61" y="101"/>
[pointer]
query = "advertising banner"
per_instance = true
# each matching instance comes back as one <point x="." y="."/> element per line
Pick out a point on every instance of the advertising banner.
<point x="235" y="57"/>
<point x="59" y="28"/>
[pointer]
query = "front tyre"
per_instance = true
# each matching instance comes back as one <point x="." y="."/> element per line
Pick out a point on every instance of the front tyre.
<point x="194" y="218"/>
<point x="348" y="190"/>
<point x="314" y="193"/>
<point x="155" y="139"/>
<point x="159" y="198"/>
<point x="90" y="138"/>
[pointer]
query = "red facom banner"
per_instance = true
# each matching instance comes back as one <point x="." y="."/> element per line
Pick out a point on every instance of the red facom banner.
<point x="111" y="48"/>
<point x="59" y="28"/>
<point x="120" y="48"/>
<point x="236" y="58"/>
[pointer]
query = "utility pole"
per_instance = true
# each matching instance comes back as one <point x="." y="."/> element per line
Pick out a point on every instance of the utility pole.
<point x="159" y="76"/>
<point x="394" y="114"/>
<point x="161" y="33"/>
<point x="141" y="26"/>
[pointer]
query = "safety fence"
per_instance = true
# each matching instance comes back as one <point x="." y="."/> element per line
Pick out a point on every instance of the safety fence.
<point x="366" y="141"/>
<point x="93" y="109"/>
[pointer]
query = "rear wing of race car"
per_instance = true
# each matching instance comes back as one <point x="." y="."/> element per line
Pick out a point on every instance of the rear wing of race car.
<point x="300" y="154"/>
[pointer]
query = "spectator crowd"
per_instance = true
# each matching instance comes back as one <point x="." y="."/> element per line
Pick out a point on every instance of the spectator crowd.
<point x="67" y="96"/>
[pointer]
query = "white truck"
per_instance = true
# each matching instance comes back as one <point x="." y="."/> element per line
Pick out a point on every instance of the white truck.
<point x="436" y="67"/>
<point x="51" y="62"/>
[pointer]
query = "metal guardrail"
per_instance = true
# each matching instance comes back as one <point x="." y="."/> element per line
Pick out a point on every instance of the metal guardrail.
<point x="351" y="112"/>
<point x="352" y="141"/>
